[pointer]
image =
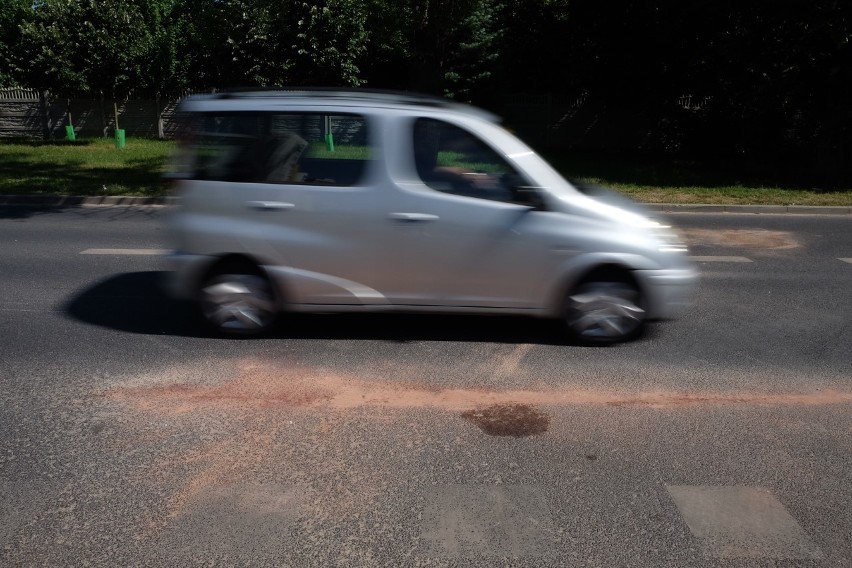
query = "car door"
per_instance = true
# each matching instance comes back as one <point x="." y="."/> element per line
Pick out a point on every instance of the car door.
<point x="300" y="201"/>
<point x="461" y="234"/>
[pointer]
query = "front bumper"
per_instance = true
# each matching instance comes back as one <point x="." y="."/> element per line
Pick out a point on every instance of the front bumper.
<point x="668" y="291"/>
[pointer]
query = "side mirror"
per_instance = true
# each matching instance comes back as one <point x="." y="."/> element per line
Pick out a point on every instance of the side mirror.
<point x="528" y="195"/>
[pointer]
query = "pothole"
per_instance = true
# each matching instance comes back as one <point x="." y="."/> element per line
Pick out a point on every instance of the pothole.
<point x="509" y="419"/>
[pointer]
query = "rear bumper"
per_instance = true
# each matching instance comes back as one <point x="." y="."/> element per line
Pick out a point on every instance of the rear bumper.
<point x="669" y="291"/>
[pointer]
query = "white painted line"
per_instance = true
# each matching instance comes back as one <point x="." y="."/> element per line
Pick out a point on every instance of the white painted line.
<point x="849" y="260"/>
<point x="148" y="252"/>
<point x="720" y="259"/>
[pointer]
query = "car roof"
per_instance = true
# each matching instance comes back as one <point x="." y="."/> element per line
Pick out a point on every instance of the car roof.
<point x="362" y="99"/>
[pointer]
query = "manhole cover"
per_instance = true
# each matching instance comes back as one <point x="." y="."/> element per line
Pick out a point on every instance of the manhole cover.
<point x="509" y="420"/>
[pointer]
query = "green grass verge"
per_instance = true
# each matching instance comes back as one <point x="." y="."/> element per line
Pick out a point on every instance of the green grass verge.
<point x="84" y="167"/>
<point x="96" y="167"/>
<point x="676" y="181"/>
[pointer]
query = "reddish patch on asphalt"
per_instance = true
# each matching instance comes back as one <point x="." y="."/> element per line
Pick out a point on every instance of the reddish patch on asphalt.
<point x="252" y="402"/>
<point x="269" y="387"/>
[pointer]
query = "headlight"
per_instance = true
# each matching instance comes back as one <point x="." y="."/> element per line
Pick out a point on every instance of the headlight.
<point x="668" y="239"/>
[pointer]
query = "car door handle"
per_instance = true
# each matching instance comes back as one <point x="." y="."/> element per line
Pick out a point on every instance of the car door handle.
<point x="269" y="205"/>
<point x="413" y="217"/>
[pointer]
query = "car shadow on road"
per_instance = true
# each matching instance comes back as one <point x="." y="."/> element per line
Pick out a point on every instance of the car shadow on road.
<point x="135" y="303"/>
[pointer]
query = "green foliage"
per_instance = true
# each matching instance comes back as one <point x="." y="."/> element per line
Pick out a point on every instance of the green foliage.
<point x="108" y="46"/>
<point x="532" y="47"/>
<point x="13" y="13"/>
<point x="331" y="36"/>
<point x="239" y="43"/>
<point x="774" y="78"/>
<point x="471" y="61"/>
<point x="47" y="56"/>
<point x="452" y="44"/>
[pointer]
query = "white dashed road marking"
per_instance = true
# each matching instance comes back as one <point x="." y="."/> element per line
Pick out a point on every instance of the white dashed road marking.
<point x="720" y="259"/>
<point x="138" y="252"/>
<point x="849" y="260"/>
<point x="742" y="522"/>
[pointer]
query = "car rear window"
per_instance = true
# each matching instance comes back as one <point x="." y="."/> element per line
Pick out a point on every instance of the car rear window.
<point x="294" y="148"/>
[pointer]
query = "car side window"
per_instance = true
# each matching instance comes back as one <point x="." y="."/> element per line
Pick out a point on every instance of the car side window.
<point x="452" y="160"/>
<point x="297" y="148"/>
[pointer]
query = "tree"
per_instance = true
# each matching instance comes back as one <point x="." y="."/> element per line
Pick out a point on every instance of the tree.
<point x="240" y="43"/>
<point x="470" y="63"/>
<point x="47" y="56"/>
<point x="13" y="13"/>
<point x="452" y="45"/>
<point x="106" y="46"/>
<point x="237" y="43"/>
<point x="779" y="78"/>
<point x="331" y="37"/>
<point x="165" y="68"/>
<point x="533" y="48"/>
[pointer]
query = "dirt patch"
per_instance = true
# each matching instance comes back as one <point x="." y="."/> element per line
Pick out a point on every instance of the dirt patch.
<point x="510" y="419"/>
<point x="758" y="239"/>
<point x="253" y="387"/>
<point x="270" y="387"/>
<point x="251" y="406"/>
<point x="210" y="465"/>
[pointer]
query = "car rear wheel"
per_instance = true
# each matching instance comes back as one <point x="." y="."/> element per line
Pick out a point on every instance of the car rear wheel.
<point x="238" y="301"/>
<point x="605" y="308"/>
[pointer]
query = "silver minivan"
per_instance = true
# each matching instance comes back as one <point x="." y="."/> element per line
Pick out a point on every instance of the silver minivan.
<point x="336" y="201"/>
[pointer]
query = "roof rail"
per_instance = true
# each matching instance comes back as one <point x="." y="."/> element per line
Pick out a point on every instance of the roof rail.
<point x="356" y="93"/>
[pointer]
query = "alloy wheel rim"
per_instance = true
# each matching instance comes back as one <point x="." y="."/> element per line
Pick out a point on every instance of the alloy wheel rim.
<point x="605" y="310"/>
<point x="238" y="302"/>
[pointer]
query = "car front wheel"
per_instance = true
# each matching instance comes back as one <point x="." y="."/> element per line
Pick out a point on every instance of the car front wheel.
<point x="605" y="309"/>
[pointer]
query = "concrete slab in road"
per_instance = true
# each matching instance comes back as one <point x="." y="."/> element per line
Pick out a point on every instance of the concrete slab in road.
<point x="742" y="522"/>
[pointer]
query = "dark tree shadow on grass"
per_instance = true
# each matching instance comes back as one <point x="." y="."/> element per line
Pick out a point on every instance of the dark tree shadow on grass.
<point x="71" y="177"/>
<point x="671" y="172"/>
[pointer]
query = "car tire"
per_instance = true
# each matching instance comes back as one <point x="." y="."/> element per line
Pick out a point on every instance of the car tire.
<point x="237" y="299"/>
<point x="605" y="308"/>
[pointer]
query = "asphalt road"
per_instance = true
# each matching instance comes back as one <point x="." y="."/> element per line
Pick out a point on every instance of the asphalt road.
<point x="130" y="437"/>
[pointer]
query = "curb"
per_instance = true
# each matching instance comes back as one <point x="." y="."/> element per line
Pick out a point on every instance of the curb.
<point x="126" y="201"/>
<point x="755" y="209"/>
<point x="86" y="201"/>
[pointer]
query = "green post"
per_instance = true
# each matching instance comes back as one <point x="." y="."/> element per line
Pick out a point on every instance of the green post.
<point x="119" y="132"/>
<point x="326" y="131"/>
<point x="69" y="128"/>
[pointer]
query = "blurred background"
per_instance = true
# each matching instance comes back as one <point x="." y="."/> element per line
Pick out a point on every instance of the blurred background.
<point x="681" y="93"/>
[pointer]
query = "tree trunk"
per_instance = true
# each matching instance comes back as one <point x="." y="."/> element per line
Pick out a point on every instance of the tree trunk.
<point x="44" y="111"/>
